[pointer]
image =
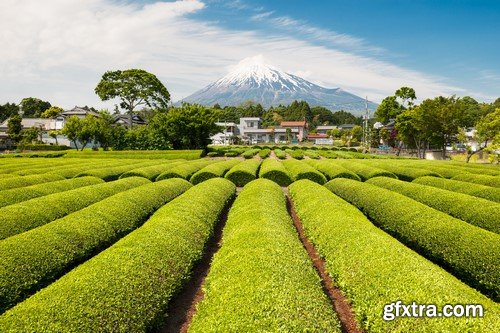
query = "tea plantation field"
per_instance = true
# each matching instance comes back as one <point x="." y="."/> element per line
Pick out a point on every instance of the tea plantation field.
<point x="257" y="240"/>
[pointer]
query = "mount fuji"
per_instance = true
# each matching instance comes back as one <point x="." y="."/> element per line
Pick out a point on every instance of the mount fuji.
<point x="254" y="80"/>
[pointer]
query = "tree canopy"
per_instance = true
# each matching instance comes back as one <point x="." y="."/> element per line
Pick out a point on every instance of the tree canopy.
<point x="33" y="107"/>
<point x="134" y="87"/>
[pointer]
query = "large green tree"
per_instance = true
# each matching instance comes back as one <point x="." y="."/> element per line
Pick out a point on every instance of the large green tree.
<point x="190" y="126"/>
<point x="52" y="112"/>
<point x="407" y="96"/>
<point x="33" y="107"/>
<point x="8" y="110"/>
<point x="388" y="109"/>
<point x="14" y="128"/>
<point x="487" y="134"/>
<point x="134" y="87"/>
<point x="410" y="130"/>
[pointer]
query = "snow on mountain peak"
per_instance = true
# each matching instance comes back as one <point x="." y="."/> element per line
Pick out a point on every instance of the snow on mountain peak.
<point x="255" y="70"/>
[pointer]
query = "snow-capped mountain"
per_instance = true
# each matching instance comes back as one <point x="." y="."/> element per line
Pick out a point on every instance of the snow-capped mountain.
<point x="252" y="79"/>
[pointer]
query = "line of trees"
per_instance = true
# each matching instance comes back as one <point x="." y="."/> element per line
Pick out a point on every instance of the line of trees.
<point x="440" y="122"/>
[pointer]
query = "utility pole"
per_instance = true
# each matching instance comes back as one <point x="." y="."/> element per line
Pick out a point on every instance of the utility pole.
<point x="366" y="128"/>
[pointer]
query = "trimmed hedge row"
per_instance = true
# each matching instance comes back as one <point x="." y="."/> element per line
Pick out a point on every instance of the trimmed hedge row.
<point x="264" y="153"/>
<point x="250" y="153"/>
<point x="73" y="171"/>
<point x="332" y="170"/>
<point x="22" y="181"/>
<point x="26" y="215"/>
<point x="480" y="191"/>
<point x="275" y="170"/>
<point x="185" y="170"/>
<point x="312" y="154"/>
<point x="480" y="212"/>
<point x="364" y="171"/>
<point x="244" y="172"/>
<point x="302" y="170"/>
<point x="406" y="173"/>
<point x="373" y="269"/>
<point x="51" y="167"/>
<point x="261" y="279"/>
<point x="214" y="170"/>
<point x="35" y="258"/>
<point x="469" y="252"/>
<point x="127" y="287"/>
<point x="113" y="173"/>
<point x="15" y="195"/>
<point x="140" y="154"/>
<point x="487" y="180"/>
<point x="298" y="154"/>
<point x="281" y="154"/>
<point x="153" y="171"/>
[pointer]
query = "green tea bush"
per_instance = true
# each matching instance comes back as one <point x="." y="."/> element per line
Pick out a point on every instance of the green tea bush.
<point x="264" y="153"/>
<point x="472" y="254"/>
<point x="261" y="268"/>
<point x="127" y="287"/>
<point x="113" y="173"/>
<point x="15" y="195"/>
<point x="477" y="190"/>
<point x="275" y="170"/>
<point x="244" y="172"/>
<point x="312" y="153"/>
<point x="185" y="170"/>
<point x="493" y="181"/>
<point x="214" y="170"/>
<point x="373" y="269"/>
<point x="298" y="154"/>
<point x="22" y="181"/>
<point x="332" y="170"/>
<point x="302" y="170"/>
<point x="153" y="171"/>
<point x="364" y="171"/>
<point x="26" y="215"/>
<point x="476" y="211"/>
<point x="250" y="153"/>
<point x="281" y="154"/>
<point x="35" y="258"/>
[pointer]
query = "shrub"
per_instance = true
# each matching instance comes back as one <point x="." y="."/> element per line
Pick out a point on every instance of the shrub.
<point x="153" y="171"/>
<point x="476" y="211"/>
<point x="22" y="181"/>
<point x="298" y="154"/>
<point x="493" y="181"/>
<point x="185" y="170"/>
<point x="231" y="154"/>
<point x="35" y="258"/>
<point x="275" y="170"/>
<point x="214" y="170"/>
<point x="332" y="170"/>
<point x="243" y="172"/>
<point x="213" y="154"/>
<point x="15" y="195"/>
<point x="364" y="171"/>
<point x="140" y="154"/>
<point x="127" y="287"/>
<point x="250" y="153"/>
<point x="312" y="154"/>
<point x="97" y="166"/>
<point x="373" y="269"/>
<point x="281" y="154"/>
<point x="302" y="170"/>
<point x="264" y="153"/>
<point x="45" y="147"/>
<point x="257" y="274"/>
<point x="404" y="172"/>
<point x="26" y="215"/>
<point x="113" y="173"/>
<point x="470" y="253"/>
<point x="480" y="191"/>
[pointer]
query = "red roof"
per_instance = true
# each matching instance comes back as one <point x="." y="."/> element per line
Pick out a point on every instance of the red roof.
<point x="293" y="123"/>
<point x="317" y="136"/>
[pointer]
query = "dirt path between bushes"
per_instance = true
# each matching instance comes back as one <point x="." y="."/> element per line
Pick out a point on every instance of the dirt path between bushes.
<point x="339" y="302"/>
<point x="182" y="308"/>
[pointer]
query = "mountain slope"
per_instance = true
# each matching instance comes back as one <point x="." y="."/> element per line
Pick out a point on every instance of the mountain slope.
<point x="254" y="80"/>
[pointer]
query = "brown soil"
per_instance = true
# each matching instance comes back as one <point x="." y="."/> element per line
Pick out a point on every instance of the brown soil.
<point x="338" y="300"/>
<point x="183" y="306"/>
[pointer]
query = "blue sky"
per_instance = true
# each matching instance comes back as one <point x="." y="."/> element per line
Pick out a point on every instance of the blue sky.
<point x="58" y="49"/>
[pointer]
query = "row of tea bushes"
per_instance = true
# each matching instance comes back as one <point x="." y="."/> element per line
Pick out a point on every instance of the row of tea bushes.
<point x="493" y="181"/>
<point x="331" y="170"/>
<point x="364" y="171"/>
<point x="127" y="287"/>
<point x="214" y="170"/>
<point x="373" y="269"/>
<point x="275" y="170"/>
<point x="476" y="190"/>
<point x="113" y="173"/>
<point x="32" y="260"/>
<point x="244" y="172"/>
<point x="185" y="170"/>
<point x="26" y="215"/>
<point x="22" y="181"/>
<point x="15" y="195"/>
<point x="302" y="170"/>
<point x="153" y="171"/>
<point x="476" y="211"/>
<point x="262" y="279"/>
<point x="469" y="252"/>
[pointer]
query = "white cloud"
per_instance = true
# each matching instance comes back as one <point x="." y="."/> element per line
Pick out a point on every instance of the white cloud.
<point x="58" y="49"/>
